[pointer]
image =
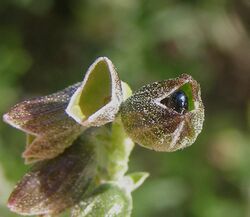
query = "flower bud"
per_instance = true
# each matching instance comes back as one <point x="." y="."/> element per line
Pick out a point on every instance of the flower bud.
<point x="107" y="200"/>
<point x="166" y="115"/>
<point x="112" y="199"/>
<point x="57" y="184"/>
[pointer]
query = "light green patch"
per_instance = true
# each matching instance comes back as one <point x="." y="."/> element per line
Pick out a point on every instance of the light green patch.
<point x="126" y="90"/>
<point x="97" y="91"/>
<point x="98" y="99"/>
<point x="187" y="89"/>
<point x="136" y="179"/>
<point x="29" y="139"/>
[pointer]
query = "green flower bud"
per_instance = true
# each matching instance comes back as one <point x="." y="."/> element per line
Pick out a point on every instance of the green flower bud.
<point x="166" y="115"/>
<point x="111" y="199"/>
<point x="107" y="200"/>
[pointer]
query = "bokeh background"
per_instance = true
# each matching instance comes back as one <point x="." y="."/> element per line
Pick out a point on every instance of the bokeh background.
<point x="47" y="45"/>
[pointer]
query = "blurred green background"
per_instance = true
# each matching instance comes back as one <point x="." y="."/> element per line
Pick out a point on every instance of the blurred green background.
<point x="47" y="45"/>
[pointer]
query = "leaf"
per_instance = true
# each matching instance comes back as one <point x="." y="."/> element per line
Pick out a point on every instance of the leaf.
<point x="97" y="101"/>
<point x="54" y="185"/>
<point x="108" y="200"/>
<point x="133" y="181"/>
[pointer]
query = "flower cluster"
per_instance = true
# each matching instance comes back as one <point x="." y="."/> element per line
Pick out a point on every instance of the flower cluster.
<point x="79" y="140"/>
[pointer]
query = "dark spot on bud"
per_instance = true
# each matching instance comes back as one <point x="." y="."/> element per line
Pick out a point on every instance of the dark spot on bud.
<point x="178" y="101"/>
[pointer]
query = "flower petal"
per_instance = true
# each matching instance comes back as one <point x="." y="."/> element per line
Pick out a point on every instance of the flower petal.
<point x="50" y="130"/>
<point x="43" y="114"/>
<point x="97" y="101"/>
<point x="50" y="145"/>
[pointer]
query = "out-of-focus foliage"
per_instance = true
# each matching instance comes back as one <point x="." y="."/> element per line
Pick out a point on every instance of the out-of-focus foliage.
<point x="47" y="45"/>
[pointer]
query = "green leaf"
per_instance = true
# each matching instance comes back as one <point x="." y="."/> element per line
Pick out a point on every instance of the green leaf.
<point x="135" y="180"/>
